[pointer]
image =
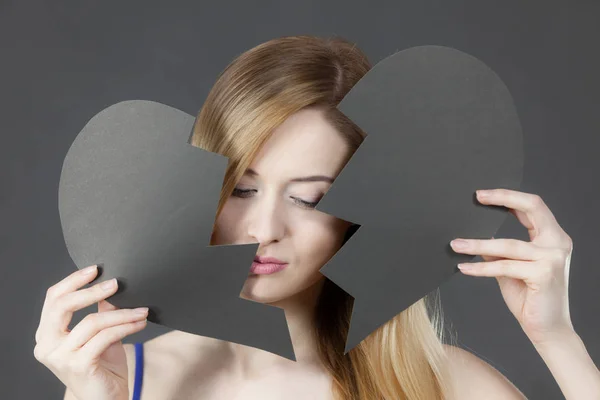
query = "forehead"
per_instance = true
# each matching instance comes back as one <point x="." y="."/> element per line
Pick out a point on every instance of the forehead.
<point x="305" y="142"/>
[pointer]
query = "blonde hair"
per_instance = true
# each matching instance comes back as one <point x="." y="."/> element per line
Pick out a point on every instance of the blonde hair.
<point x="256" y="92"/>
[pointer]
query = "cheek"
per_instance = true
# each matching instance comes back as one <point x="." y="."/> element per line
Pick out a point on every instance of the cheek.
<point x="320" y="238"/>
<point x="224" y="231"/>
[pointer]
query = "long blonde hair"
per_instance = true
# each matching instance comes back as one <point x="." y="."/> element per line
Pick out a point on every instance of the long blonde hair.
<point x="257" y="91"/>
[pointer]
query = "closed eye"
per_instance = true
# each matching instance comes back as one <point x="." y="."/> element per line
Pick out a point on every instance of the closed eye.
<point x="245" y="193"/>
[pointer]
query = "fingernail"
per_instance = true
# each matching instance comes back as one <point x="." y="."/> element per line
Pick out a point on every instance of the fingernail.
<point x="482" y="194"/>
<point x="89" y="270"/>
<point x="108" y="284"/>
<point x="464" y="267"/>
<point x="459" y="244"/>
<point x="141" y="310"/>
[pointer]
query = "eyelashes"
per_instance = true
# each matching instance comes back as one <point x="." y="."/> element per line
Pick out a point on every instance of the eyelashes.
<point x="244" y="193"/>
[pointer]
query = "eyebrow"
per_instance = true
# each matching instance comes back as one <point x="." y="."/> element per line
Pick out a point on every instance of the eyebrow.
<point x="313" y="178"/>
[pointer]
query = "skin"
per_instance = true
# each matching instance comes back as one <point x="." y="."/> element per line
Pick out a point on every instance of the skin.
<point x="533" y="278"/>
<point x="268" y="208"/>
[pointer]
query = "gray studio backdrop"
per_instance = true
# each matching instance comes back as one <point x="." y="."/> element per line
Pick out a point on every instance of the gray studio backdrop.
<point x="62" y="64"/>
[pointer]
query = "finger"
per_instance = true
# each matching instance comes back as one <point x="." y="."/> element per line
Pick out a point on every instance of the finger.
<point x="69" y="284"/>
<point x="505" y="248"/>
<point x="523" y="270"/>
<point x="539" y="218"/>
<point x="59" y="317"/>
<point x="93" y="323"/>
<point x="490" y="258"/>
<point x="97" y="345"/>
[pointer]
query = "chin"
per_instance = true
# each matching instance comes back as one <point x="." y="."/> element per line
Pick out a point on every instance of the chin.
<point x="261" y="290"/>
<point x="260" y="297"/>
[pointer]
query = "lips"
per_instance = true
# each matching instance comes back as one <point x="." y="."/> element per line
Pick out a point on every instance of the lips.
<point x="268" y="260"/>
<point x="267" y="265"/>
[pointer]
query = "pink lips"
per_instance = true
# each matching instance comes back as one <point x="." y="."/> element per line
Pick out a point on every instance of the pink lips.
<point x="267" y="265"/>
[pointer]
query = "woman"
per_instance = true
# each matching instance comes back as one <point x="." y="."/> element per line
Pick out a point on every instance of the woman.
<point x="273" y="113"/>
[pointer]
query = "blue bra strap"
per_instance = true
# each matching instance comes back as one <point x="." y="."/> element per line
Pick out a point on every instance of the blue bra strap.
<point x="139" y="370"/>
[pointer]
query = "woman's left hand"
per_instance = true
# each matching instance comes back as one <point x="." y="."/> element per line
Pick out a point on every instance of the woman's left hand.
<point x="533" y="276"/>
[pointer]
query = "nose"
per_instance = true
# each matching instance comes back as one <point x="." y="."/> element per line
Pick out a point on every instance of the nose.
<point x="267" y="220"/>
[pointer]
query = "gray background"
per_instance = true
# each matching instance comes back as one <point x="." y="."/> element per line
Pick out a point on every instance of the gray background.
<point x="60" y="64"/>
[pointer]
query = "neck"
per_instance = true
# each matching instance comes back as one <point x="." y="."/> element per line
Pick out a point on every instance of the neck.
<point x="251" y="363"/>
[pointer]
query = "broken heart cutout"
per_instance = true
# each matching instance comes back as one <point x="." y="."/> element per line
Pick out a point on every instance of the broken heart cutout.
<point x="136" y="198"/>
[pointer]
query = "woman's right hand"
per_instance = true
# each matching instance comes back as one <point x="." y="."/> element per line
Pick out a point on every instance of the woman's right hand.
<point x="89" y="359"/>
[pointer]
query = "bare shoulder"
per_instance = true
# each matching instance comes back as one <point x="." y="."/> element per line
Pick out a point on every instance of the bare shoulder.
<point x="473" y="378"/>
<point x="173" y="363"/>
<point x="181" y="348"/>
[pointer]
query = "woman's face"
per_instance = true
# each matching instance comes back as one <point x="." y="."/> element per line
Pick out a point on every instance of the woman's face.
<point x="270" y="208"/>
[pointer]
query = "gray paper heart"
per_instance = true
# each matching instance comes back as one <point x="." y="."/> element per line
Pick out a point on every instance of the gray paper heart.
<point x="440" y="125"/>
<point x="137" y="197"/>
